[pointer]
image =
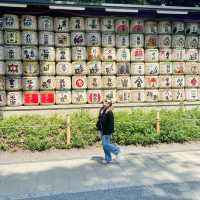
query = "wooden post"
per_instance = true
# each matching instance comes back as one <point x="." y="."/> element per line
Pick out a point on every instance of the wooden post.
<point x="68" y="131"/>
<point x="158" y="122"/>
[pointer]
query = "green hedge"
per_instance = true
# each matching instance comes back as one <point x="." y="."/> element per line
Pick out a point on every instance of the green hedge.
<point x="136" y="127"/>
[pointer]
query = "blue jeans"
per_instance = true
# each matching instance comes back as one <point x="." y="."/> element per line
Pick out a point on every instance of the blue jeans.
<point x="108" y="147"/>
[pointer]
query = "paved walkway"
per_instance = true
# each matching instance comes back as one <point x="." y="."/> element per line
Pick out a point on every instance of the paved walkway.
<point x="165" y="172"/>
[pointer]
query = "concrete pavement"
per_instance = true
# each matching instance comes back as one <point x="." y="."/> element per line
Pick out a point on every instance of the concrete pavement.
<point x="169" y="172"/>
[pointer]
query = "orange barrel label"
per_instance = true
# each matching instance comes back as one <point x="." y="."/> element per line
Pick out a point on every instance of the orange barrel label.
<point x="47" y="98"/>
<point x="31" y="98"/>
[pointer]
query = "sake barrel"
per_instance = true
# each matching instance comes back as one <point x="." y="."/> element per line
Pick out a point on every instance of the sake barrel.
<point x="165" y="81"/>
<point x="107" y="24"/>
<point x="137" y="69"/>
<point x="123" y="82"/>
<point x="191" y="81"/>
<point x="11" y="52"/>
<point x="1" y="23"/>
<point x="166" y="68"/>
<point x="93" y="39"/>
<point x="109" y="95"/>
<point x="14" y="99"/>
<point x="191" y="28"/>
<point x="151" y="81"/>
<point x="94" y="96"/>
<point x="150" y="27"/>
<point x="79" y="96"/>
<point x="30" y="83"/>
<point x="45" y="23"/>
<point x="62" y="39"/>
<point x="122" y="41"/>
<point x="29" y="38"/>
<point x="151" y="68"/>
<point x="137" y="96"/>
<point x="164" y="41"/>
<point x="47" y="97"/>
<point x="77" y="24"/>
<point x="192" y="68"/>
<point x="122" y="25"/>
<point x="94" y="67"/>
<point x="63" y="54"/>
<point x="164" y="27"/>
<point x="94" y="82"/>
<point x="63" y="68"/>
<point x="61" y="24"/>
<point x="123" y="55"/>
<point x="178" y="27"/>
<point x="79" y="82"/>
<point x="123" y="96"/>
<point x="63" y="97"/>
<point x="151" y="41"/>
<point x="165" y="95"/>
<point x="108" y="82"/>
<point x="31" y="98"/>
<point x="10" y="21"/>
<point x="92" y="24"/>
<point x="13" y="68"/>
<point x="137" y="26"/>
<point x="46" y="38"/>
<point x="151" y="55"/>
<point x="28" y="22"/>
<point x="30" y="68"/>
<point x="151" y="95"/>
<point x="123" y="68"/>
<point x="178" y="67"/>
<point x="108" y="39"/>
<point x="2" y="98"/>
<point x="137" y="82"/>
<point x="29" y="53"/>
<point x="178" y="94"/>
<point x="12" y="37"/>
<point x="192" y="42"/>
<point x="2" y="52"/>
<point x="2" y="83"/>
<point x="78" y="53"/>
<point x="192" y="55"/>
<point x="178" y="54"/>
<point x="137" y="54"/>
<point x="93" y="53"/>
<point x="109" y="68"/>
<point x="79" y="68"/>
<point x="47" y="68"/>
<point x="13" y="83"/>
<point x="136" y="40"/>
<point x="62" y="82"/>
<point x="191" y="94"/>
<point x="178" y="81"/>
<point x="78" y="39"/>
<point x="2" y="68"/>
<point x="165" y="54"/>
<point x="47" y="53"/>
<point x="47" y="82"/>
<point x="108" y="54"/>
<point x="1" y="38"/>
<point x="178" y="41"/>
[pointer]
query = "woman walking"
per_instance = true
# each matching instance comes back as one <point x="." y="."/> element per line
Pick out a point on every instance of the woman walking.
<point x="105" y="125"/>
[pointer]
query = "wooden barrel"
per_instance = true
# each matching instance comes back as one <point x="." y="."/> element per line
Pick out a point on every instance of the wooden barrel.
<point x="110" y="95"/>
<point x="150" y="27"/>
<point x="2" y="98"/>
<point x="123" y="55"/>
<point x="13" y="68"/>
<point x="31" y="98"/>
<point x="2" y="53"/>
<point x="178" y="68"/>
<point x="79" y="82"/>
<point x="46" y="38"/>
<point x="137" y="54"/>
<point x="122" y="26"/>
<point x="30" y="68"/>
<point x="92" y="24"/>
<point x="61" y="24"/>
<point x="123" y="68"/>
<point x="47" y="68"/>
<point x="137" y="69"/>
<point x="47" y="53"/>
<point x="151" y="81"/>
<point x="14" y="99"/>
<point x="63" y="68"/>
<point x="47" y="83"/>
<point x="79" y="96"/>
<point x="137" y="96"/>
<point x="164" y="27"/>
<point x="107" y="24"/>
<point x="123" y="82"/>
<point x="136" y="40"/>
<point x="178" y="54"/>
<point x="108" y="82"/>
<point x="78" y="39"/>
<point x="62" y="39"/>
<point x="94" y="67"/>
<point x="62" y="82"/>
<point x="2" y="83"/>
<point x="1" y="38"/>
<point x="94" y="96"/>
<point x="192" y="55"/>
<point x="109" y="68"/>
<point x="164" y="41"/>
<point x="79" y="53"/>
<point x="10" y="21"/>
<point x="123" y="96"/>
<point x="108" y="39"/>
<point x="93" y="53"/>
<point x="178" y="27"/>
<point x="165" y="54"/>
<point x="79" y="68"/>
<point x="13" y="83"/>
<point x="28" y="22"/>
<point x="29" y="53"/>
<point x="191" y="28"/>
<point x="12" y="37"/>
<point x="29" y="38"/>
<point x="30" y="83"/>
<point x="165" y="95"/>
<point x="2" y="68"/>
<point x="178" y="94"/>
<point x="137" y="26"/>
<point x="151" y="95"/>
<point x="63" y="97"/>
<point x="191" y="81"/>
<point x="122" y="41"/>
<point x="151" y="68"/>
<point x="11" y="52"/>
<point x="93" y="39"/>
<point x="137" y="82"/>
<point x="151" y="55"/>
<point x="165" y="81"/>
<point x="77" y="24"/>
<point x="94" y="82"/>
<point x="191" y="42"/>
<point x="166" y="68"/>
<point x="178" y="81"/>
<point x="63" y="54"/>
<point x="192" y="68"/>
<point x="47" y="98"/>
<point x="108" y="54"/>
<point x="151" y="41"/>
<point x="178" y="41"/>
<point x="45" y="23"/>
<point x="191" y="94"/>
